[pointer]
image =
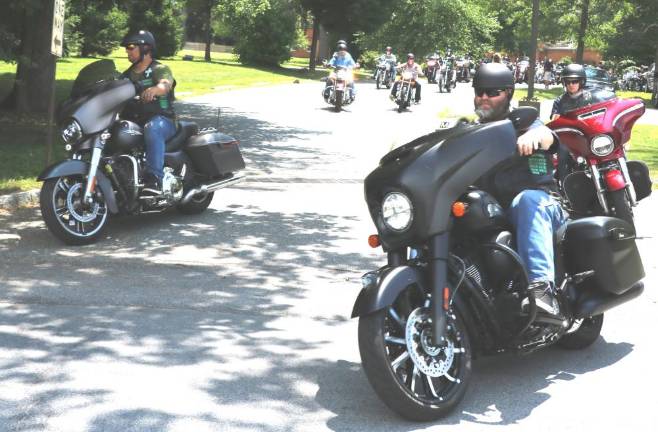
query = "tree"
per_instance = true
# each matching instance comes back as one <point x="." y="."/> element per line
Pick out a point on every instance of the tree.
<point x="163" y="18"/>
<point x="30" y="48"/>
<point x="584" y="20"/>
<point x="265" y="30"/>
<point x="100" y="24"/>
<point x="201" y="13"/>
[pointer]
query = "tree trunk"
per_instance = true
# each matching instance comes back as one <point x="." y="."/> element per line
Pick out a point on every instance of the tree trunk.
<point x="584" y="18"/>
<point x="655" y="80"/>
<point x="314" y="42"/>
<point x="34" y="72"/>
<point x="209" y="30"/>
<point x="533" y="49"/>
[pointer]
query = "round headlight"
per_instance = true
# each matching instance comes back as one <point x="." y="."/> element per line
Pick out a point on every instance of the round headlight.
<point x="397" y="211"/>
<point x="72" y="133"/>
<point x="602" y="145"/>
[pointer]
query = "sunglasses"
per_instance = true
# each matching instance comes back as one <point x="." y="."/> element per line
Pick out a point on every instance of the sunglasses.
<point x="572" y="81"/>
<point x="131" y="47"/>
<point x="489" y="92"/>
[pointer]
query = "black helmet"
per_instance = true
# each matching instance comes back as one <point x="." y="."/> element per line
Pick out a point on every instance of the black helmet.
<point x="411" y="56"/>
<point x="141" y="37"/>
<point x="493" y="76"/>
<point x="574" y="70"/>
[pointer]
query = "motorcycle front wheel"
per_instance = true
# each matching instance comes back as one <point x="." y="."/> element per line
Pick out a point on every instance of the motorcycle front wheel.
<point x="441" y="84"/>
<point x="338" y="103"/>
<point x="417" y="380"/>
<point x="65" y="213"/>
<point x="621" y="206"/>
<point x="378" y="79"/>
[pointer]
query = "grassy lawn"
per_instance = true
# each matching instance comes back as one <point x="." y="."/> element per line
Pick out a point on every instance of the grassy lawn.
<point x="541" y="94"/>
<point x="644" y="147"/>
<point x="22" y="142"/>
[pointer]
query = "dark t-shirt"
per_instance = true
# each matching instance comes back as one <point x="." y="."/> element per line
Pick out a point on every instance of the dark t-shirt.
<point x="161" y="105"/>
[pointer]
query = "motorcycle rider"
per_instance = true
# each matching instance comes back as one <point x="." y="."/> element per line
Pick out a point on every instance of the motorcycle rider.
<point x="415" y="70"/>
<point x="389" y="58"/>
<point x="342" y="58"/>
<point x="524" y="184"/>
<point x="154" y="110"/>
<point x="575" y="95"/>
<point x="548" y="72"/>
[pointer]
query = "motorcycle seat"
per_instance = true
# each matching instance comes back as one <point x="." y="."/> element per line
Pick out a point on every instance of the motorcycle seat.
<point x="183" y="132"/>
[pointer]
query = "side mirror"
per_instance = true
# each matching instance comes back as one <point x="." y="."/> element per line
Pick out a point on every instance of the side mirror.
<point x="523" y="117"/>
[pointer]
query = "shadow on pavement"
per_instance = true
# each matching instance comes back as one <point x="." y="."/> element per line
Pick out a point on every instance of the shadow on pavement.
<point x="504" y="390"/>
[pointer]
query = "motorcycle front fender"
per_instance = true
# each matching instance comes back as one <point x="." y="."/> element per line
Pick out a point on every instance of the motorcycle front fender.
<point x="72" y="167"/>
<point x="383" y="292"/>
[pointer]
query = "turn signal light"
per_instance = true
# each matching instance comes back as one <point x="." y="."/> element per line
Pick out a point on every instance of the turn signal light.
<point x="459" y="208"/>
<point x="373" y="241"/>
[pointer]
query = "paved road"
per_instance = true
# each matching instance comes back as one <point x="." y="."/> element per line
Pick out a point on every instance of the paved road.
<point x="238" y="319"/>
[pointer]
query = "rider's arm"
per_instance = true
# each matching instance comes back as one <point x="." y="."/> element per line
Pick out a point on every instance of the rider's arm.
<point x="537" y="137"/>
<point x="162" y="75"/>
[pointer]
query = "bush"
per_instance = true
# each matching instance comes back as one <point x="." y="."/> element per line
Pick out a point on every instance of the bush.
<point x="565" y="60"/>
<point x="368" y="59"/>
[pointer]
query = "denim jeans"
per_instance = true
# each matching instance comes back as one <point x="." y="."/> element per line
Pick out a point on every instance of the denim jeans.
<point x="536" y="216"/>
<point x="156" y="132"/>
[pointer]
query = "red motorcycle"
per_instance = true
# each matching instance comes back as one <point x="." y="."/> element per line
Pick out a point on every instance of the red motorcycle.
<point x="597" y="179"/>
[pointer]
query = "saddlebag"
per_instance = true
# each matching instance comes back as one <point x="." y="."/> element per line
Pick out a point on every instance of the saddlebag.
<point x="215" y="154"/>
<point x="607" y="246"/>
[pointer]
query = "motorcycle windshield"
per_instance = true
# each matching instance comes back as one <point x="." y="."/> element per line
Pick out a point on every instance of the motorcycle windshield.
<point x="96" y="97"/>
<point x="433" y="171"/>
<point x="597" y="96"/>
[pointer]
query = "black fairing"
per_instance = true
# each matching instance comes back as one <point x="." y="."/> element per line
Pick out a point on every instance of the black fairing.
<point x="96" y="110"/>
<point x="433" y="171"/>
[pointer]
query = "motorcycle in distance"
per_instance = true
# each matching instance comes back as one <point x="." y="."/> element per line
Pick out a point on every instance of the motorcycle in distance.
<point x="338" y="92"/>
<point x="431" y="68"/>
<point x="595" y="176"/>
<point x="454" y="288"/>
<point x="463" y="70"/>
<point x="447" y="77"/>
<point x="384" y="75"/>
<point x="406" y="93"/>
<point x="103" y="175"/>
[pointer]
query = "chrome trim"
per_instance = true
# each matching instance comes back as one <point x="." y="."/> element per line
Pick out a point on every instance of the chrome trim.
<point x="135" y="169"/>
<point x="576" y="131"/>
<point x="629" y="184"/>
<point x="91" y="176"/>
<point x="626" y="111"/>
<point x="599" y="192"/>
<point x="205" y="189"/>
<point x="595" y="113"/>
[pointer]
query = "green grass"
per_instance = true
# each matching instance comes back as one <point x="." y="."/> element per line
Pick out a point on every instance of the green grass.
<point x="22" y="142"/>
<point x="644" y="146"/>
<point x="540" y="93"/>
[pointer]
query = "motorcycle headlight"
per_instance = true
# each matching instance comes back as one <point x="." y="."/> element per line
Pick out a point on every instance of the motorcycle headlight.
<point x="397" y="211"/>
<point x="72" y="133"/>
<point x="602" y="145"/>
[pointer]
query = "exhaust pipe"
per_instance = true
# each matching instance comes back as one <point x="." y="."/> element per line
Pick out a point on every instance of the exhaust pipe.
<point x="598" y="303"/>
<point x="205" y="189"/>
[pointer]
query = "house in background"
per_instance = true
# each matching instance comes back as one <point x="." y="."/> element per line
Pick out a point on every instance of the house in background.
<point x="558" y="51"/>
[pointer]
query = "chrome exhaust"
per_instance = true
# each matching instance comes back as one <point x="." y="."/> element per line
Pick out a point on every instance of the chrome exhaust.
<point x="205" y="189"/>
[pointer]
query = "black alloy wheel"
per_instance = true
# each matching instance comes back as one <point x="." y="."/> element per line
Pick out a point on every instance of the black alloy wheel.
<point x="66" y="214"/>
<point x="413" y="377"/>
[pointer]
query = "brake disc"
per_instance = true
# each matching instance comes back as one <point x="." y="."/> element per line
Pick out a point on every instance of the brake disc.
<point x="434" y="361"/>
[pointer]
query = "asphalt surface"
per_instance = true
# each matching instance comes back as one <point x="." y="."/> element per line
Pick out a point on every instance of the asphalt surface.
<point x="238" y="319"/>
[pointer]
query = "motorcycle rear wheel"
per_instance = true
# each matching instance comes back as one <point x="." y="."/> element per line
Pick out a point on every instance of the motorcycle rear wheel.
<point x="390" y="363"/>
<point x="66" y="216"/>
<point x="585" y="335"/>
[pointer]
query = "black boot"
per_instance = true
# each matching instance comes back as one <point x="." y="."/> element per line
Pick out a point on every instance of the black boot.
<point x="152" y="185"/>
<point x="545" y="299"/>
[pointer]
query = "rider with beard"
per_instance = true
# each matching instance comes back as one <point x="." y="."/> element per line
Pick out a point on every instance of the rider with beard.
<point x="154" y="110"/>
<point x="415" y="69"/>
<point x="524" y="184"/>
<point x="575" y="95"/>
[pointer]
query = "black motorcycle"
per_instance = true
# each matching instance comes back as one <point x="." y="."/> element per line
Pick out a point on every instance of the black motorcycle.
<point x="103" y="175"/>
<point x="447" y="77"/>
<point x="454" y="288"/>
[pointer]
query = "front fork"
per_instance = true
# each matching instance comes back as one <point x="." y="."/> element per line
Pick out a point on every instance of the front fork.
<point x="599" y="184"/>
<point x="96" y="153"/>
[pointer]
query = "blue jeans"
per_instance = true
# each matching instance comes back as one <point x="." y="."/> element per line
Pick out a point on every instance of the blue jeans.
<point x="536" y="216"/>
<point x="156" y="132"/>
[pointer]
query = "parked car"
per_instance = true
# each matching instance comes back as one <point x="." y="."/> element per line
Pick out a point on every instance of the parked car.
<point x="598" y="78"/>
